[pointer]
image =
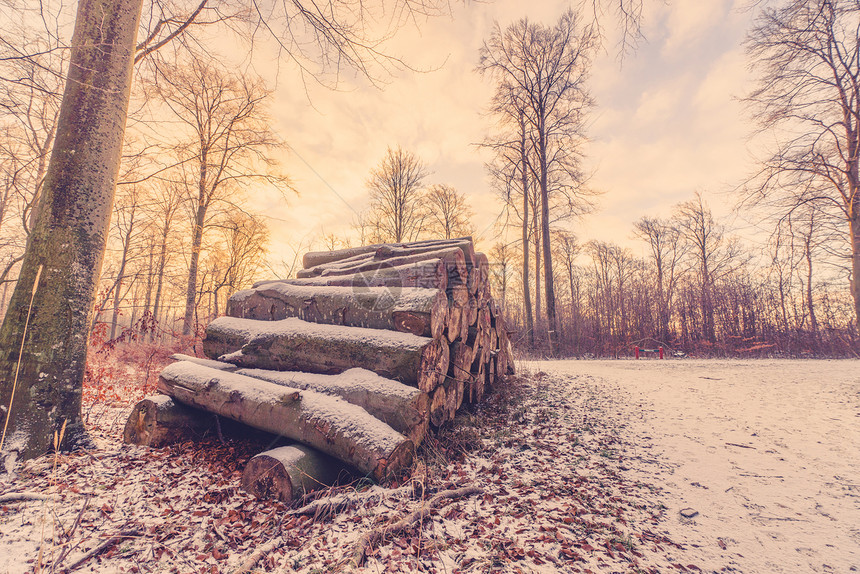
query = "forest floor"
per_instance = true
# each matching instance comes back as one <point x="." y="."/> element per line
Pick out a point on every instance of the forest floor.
<point x="584" y="466"/>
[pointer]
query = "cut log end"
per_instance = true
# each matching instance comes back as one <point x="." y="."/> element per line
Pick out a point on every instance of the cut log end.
<point x="291" y="471"/>
<point x="266" y="478"/>
<point x="410" y="322"/>
<point x="434" y="365"/>
<point x="159" y="421"/>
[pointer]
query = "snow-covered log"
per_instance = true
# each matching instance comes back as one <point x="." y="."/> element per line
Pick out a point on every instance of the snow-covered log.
<point x="403" y="408"/>
<point x="205" y="362"/>
<point x="410" y="310"/>
<point x="316" y="258"/>
<point x="406" y="249"/>
<point x="296" y="345"/>
<point x="452" y="256"/>
<point x="429" y="274"/>
<point x="329" y="424"/>
<point x="291" y="471"/>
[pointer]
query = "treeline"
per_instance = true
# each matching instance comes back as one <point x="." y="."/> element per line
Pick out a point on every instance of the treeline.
<point x="699" y="291"/>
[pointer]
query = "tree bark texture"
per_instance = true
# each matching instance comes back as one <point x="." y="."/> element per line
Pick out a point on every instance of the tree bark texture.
<point x="69" y="235"/>
<point x="403" y="408"/>
<point x="855" y="256"/>
<point x="409" y="310"/>
<point x="333" y="426"/>
<point x="430" y="274"/>
<point x="295" y="345"/>
<point x="158" y="421"/>
<point x="316" y="258"/>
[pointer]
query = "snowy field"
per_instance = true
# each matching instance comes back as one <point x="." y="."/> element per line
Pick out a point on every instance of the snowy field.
<point x="766" y="452"/>
<point x="585" y="467"/>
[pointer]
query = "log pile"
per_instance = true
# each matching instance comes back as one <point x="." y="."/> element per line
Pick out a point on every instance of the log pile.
<point x="358" y="357"/>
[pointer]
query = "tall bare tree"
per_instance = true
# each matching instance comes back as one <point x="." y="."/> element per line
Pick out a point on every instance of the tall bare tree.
<point x="807" y="56"/>
<point x="546" y="68"/>
<point x="227" y="141"/>
<point x="568" y="250"/>
<point x="666" y="252"/>
<point x="712" y="251"/>
<point x="397" y="211"/>
<point x="240" y="256"/>
<point x="448" y="212"/>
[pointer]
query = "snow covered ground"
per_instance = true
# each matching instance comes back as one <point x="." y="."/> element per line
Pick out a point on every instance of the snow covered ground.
<point x="767" y="452"/>
<point x="585" y="466"/>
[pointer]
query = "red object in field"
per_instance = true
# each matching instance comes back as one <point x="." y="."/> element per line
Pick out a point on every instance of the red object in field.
<point x="637" y="351"/>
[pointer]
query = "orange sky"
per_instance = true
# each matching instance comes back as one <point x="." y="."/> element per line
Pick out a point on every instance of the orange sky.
<point x="666" y="124"/>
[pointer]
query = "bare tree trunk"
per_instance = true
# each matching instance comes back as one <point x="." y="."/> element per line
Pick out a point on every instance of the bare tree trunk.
<point x="810" y="303"/>
<point x="147" y="299"/>
<point x="537" y="238"/>
<point x="117" y="294"/>
<point x="707" y="303"/>
<point x="549" y="282"/>
<point x="527" y="298"/>
<point x="162" y="263"/>
<point x="855" y="256"/>
<point x="68" y="240"/>
<point x="196" y="244"/>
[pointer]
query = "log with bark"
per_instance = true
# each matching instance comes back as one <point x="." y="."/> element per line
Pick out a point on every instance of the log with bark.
<point x="316" y="258"/>
<point x="409" y="310"/>
<point x="329" y="424"/>
<point x="403" y="408"/>
<point x="453" y="258"/>
<point x="429" y="274"/>
<point x="296" y="345"/>
<point x="158" y="421"/>
<point x="289" y="472"/>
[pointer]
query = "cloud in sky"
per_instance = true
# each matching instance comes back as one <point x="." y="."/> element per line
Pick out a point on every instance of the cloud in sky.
<point x="667" y="121"/>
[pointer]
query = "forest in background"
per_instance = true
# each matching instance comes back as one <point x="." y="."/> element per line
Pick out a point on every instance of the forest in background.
<point x="183" y="237"/>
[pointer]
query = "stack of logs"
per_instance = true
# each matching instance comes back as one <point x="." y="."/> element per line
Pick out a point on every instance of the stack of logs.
<point x="358" y="357"/>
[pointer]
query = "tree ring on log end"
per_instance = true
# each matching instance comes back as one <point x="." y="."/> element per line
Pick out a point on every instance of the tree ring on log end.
<point x="266" y="479"/>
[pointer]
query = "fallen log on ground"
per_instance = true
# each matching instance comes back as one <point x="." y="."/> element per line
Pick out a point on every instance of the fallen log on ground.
<point x="329" y="424"/>
<point x="410" y="310"/>
<point x="288" y="472"/>
<point x="158" y="421"/>
<point x="295" y="345"/>
<point x="402" y="407"/>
